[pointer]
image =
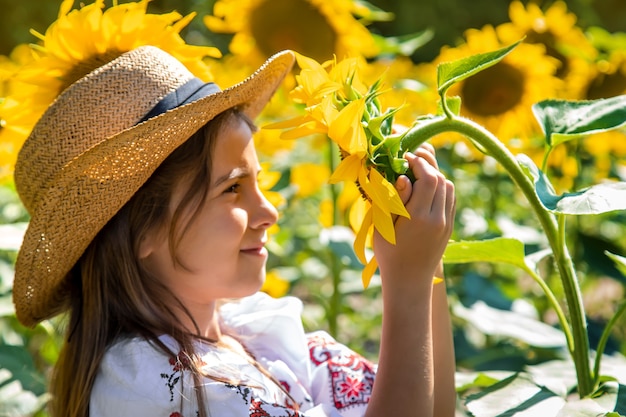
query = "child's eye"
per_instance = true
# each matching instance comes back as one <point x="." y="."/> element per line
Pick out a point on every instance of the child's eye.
<point x="233" y="188"/>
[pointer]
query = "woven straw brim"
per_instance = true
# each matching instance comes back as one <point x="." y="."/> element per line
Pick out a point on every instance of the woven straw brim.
<point x="91" y="188"/>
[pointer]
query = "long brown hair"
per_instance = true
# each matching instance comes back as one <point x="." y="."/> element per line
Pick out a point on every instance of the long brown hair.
<point x="113" y="296"/>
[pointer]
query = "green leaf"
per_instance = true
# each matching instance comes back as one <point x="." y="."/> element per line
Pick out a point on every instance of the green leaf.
<point x="497" y="250"/>
<point x="563" y="120"/>
<point x="15" y="400"/>
<point x="403" y="45"/>
<point x="453" y="104"/>
<point x="597" y="199"/>
<point x="510" y="325"/>
<point x="449" y="73"/>
<point x="620" y="262"/>
<point x="517" y="393"/>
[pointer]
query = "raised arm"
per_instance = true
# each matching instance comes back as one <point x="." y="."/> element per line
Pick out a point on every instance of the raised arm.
<point x="416" y="364"/>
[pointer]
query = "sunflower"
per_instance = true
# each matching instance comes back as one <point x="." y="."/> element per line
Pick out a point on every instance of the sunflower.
<point x="500" y="97"/>
<point x="81" y="40"/>
<point x="78" y="42"/>
<point x="556" y="30"/>
<point x="16" y="120"/>
<point x="340" y="105"/>
<point x="319" y="29"/>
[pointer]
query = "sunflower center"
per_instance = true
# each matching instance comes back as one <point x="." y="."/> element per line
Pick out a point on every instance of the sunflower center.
<point x="292" y="24"/>
<point x="85" y="66"/>
<point x="493" y="91"/>
<point x="606" y="86"/>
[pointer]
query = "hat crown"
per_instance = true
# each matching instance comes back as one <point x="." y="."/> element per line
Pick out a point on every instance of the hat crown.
<point x="110" y="99"/>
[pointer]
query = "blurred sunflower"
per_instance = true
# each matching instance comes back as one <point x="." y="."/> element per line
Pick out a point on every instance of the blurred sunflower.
<point x="83" y="39"/>
<point x="556" y="30"/>
<point x="309" y="178"/>
<point x="16" y="120"/>
<point x="319" y="29"/>
<point x="500" y="97"/>
<point x="608" y="78"/>
<point x="274" y="284"/>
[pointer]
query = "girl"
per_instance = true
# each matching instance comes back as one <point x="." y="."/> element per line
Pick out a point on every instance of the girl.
<point x="148" y="227"/>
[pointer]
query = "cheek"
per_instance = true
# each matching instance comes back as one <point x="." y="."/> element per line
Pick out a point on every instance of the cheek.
<point x="218" y="232"/>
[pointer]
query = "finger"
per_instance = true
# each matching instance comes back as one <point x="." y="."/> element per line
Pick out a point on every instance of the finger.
<point x="424" y="187"/>
<point x="428" y="148"/>
<point x="428" y="156"/>
<point x="403" y="186"/>
<point x="440" y="198"/>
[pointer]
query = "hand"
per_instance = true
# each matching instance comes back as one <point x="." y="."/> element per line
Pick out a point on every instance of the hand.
<point x="422" y="239"/>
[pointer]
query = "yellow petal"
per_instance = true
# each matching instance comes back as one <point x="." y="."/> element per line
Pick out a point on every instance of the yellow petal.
<point x="347" y="131"/>
<point x="361" y="237"/>
<point x="358" y="209"/>
<point x="368" y="271"/>
<point x="383" y="193"/>
<point x="384" y="224"/>
<point x="347" y="170"/>
<point x="305" y="62"/>
<point x="287" y="124"/>
<point x="305" y="129"/>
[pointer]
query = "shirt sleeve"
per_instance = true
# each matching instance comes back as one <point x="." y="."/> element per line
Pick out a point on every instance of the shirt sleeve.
<point x="341" y="378"/>
<point x="135" y="379"/>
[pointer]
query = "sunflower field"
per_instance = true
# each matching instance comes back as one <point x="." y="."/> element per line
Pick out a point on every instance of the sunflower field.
<point x="524" y="102"/>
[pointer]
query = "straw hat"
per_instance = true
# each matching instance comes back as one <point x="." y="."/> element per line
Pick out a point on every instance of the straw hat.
<point x="91" y="151"/>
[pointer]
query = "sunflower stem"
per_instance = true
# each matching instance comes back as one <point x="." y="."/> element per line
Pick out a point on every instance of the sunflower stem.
<point x="335" y="268"/>
<point x="579" y="351"/>
<point x="602" y="343"/>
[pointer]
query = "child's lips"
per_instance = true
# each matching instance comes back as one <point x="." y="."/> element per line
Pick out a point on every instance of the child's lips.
<point x="258" y="250"/>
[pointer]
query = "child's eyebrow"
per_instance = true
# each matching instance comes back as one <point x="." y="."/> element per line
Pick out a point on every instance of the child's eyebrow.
<point x="236" y="173"/>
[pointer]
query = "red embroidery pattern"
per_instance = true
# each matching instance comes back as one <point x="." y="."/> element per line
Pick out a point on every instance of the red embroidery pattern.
<point x="351" y="375"/>
<point x="256" y="409"/>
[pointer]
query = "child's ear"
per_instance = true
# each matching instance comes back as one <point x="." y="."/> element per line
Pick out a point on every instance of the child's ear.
<point x="147" y="244"/>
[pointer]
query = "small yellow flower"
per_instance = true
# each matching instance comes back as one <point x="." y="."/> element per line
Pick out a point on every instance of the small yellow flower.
<point x="275" y="285"/>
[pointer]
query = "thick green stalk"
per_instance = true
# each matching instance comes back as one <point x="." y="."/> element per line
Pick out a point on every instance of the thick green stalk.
<point x="492" y="146"/>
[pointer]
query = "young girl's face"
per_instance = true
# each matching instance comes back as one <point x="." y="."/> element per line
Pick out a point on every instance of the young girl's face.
<point x="222" y="252"/>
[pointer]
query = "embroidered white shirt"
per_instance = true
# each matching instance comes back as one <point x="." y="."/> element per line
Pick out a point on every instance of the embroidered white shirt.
<point x="324" y="377"/>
